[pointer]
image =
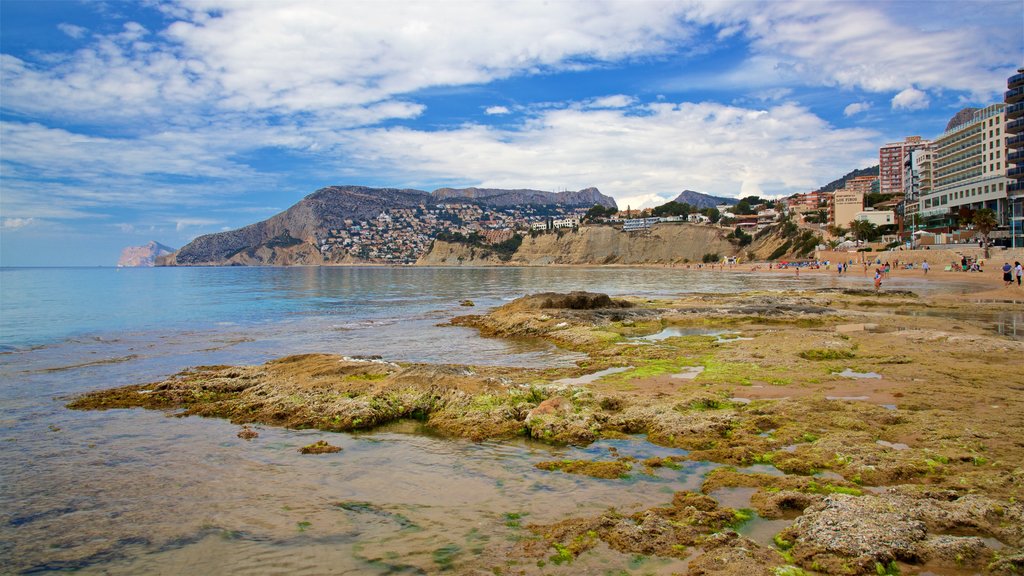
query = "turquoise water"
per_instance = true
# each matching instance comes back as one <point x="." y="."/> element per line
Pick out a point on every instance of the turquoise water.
<point x="133" y="491"/>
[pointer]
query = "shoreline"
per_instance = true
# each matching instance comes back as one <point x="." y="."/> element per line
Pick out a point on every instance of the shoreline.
<point x="777" y="394"/>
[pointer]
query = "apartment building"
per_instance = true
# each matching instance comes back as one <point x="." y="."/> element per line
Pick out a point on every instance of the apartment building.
<point x="917" y="180"/>
<point x="890" y="163"/>
<point x="1014" y="100"/>
<point x="968" y="168"/>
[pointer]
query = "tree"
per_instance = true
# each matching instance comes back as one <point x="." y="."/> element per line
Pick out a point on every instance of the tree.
<point x="837" y="230"/>
<point x="598" y="211"/>
<point x="985" y="222"/>
<point x="713" y="214"/>
<point x="673" y="208"/>
<point x="864" y="230"/>
<point x="743" y="207"/>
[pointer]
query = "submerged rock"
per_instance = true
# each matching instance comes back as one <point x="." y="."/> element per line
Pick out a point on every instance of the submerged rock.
<point x="319" y="447"/>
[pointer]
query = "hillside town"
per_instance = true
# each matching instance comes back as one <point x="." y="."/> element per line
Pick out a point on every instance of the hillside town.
<point x="962" y="186"/>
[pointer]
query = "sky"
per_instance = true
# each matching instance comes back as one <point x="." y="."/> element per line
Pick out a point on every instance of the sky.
<point x="125" y="122"/>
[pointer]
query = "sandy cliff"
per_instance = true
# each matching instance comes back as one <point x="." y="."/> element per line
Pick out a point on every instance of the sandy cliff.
<point x="666" y="244"/>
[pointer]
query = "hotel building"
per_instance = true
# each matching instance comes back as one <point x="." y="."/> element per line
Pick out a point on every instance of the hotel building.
<point x="890" y="163"/>
<point x="1014" y="99"/>
<point x="968" y="168"/>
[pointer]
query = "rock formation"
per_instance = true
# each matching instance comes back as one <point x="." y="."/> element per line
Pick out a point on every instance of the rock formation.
<point x="295" y="235"/>
<point x="142" y="256"/>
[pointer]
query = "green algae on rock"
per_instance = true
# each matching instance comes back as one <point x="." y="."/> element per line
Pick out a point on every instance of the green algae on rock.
<point x="597" y="469"/>
<point x="319" y="447"/>
<point x="941" y="427"/>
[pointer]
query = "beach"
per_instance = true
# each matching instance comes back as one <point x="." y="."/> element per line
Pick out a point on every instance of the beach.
<point x="783" y="427"/>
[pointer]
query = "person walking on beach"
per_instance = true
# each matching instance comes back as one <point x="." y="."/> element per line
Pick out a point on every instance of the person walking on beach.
<point x="1019" y="270"/>
<point x="1007" y="274"/>
<point x="925" y="267"/>
<point x="878" y="279"/>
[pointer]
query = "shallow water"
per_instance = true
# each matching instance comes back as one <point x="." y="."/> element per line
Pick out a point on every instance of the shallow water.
<point x="134" y="491"/>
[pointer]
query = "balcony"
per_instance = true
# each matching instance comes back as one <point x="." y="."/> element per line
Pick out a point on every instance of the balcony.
<point x="1015" y="95"/>
<point x="1015" y="172"/>
<point x="1015" y="126"/>
<point x="1015" y="187"/>
<point x="1015" y="111"/>
<point x="1015" y="157"/>
<point x="1015" y="141"/>
<point x="1015" y="81"/>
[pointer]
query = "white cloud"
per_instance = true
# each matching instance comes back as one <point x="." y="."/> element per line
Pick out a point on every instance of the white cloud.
<point x="76" y="32"/>
<point x="184" y="223"/>
<point x="332" y="58"/>
<point x="856" y="108"/>
<point x="614" y="101"/>
<point x="643" y="153"/>
<point x="910" y="99"/>
<point x="16" y="223"/>
<point x="496" y="110"/>
<point x="878" y="47"/>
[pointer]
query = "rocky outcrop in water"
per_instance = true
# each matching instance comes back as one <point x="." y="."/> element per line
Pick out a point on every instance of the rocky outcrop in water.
<point x="142" y="256"/>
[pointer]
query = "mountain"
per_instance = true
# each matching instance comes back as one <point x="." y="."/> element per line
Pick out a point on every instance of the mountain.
<point x="142" y="256"/>
<point x="497" y="198"/>
<point x="701" y="200"/>
<point x="837" y="184"/>
<point x="302" y="233"/>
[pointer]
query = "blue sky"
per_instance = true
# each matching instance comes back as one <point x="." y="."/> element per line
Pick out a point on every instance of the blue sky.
<point x="124" y="122"/>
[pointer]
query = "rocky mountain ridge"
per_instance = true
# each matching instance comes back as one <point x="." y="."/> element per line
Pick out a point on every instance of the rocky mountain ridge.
<point x="295" y="235"/>
<point x="702" y="200"/>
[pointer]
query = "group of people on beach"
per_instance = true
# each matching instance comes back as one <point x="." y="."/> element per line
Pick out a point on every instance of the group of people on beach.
<point x="1010" y="271"/>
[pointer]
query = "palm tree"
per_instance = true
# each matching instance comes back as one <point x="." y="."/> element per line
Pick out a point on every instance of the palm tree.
<point x="864" y="230"/>
<point x="985" y="222"/>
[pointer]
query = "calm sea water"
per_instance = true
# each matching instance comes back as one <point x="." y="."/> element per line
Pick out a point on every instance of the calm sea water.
<point x="132" y="491"/>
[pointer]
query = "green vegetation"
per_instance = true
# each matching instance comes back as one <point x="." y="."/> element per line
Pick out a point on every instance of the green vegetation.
<point x="504" y="250"/>
<point x="780" y="251"/>
<point x="826" y="354"/>
<point x="598" y="212"/>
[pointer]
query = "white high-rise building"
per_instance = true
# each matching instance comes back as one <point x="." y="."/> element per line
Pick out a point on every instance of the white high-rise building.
<point x="968" y="168"/>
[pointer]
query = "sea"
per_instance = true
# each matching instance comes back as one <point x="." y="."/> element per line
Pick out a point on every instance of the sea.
<point x="148" y="492"/>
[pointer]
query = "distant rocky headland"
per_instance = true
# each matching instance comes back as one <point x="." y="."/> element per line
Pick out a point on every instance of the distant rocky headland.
<point x="143" y="256"/>
<point x="358" y="224"/>
<point x="344" y="225"/>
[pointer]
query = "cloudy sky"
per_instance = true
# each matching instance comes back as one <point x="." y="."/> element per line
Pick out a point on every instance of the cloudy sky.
<point x="124" y="122"/>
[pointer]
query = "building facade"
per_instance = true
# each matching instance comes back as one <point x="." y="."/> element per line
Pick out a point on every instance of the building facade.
<point x="846" y="204"/>
<point x="917" y="180"/>
<point x="1014" y="100"/>
<point x="968" y="170"/>
<point x="890" y="163"/>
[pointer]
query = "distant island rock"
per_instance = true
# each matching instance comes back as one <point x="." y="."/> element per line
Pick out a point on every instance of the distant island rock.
<point x="143" y="256"/>
<point x="702" y="200"/>
<point x="330" y="226"/>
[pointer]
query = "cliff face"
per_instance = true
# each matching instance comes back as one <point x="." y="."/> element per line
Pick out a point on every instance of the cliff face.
<point x="275" y="240"/>
<point x="666" y="244"/>
<point x="293" y="236"/>
<point x="142" y="256"/>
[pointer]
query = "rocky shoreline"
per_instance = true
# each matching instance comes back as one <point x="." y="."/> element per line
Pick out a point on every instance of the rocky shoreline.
<point x="894" y="440"/>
